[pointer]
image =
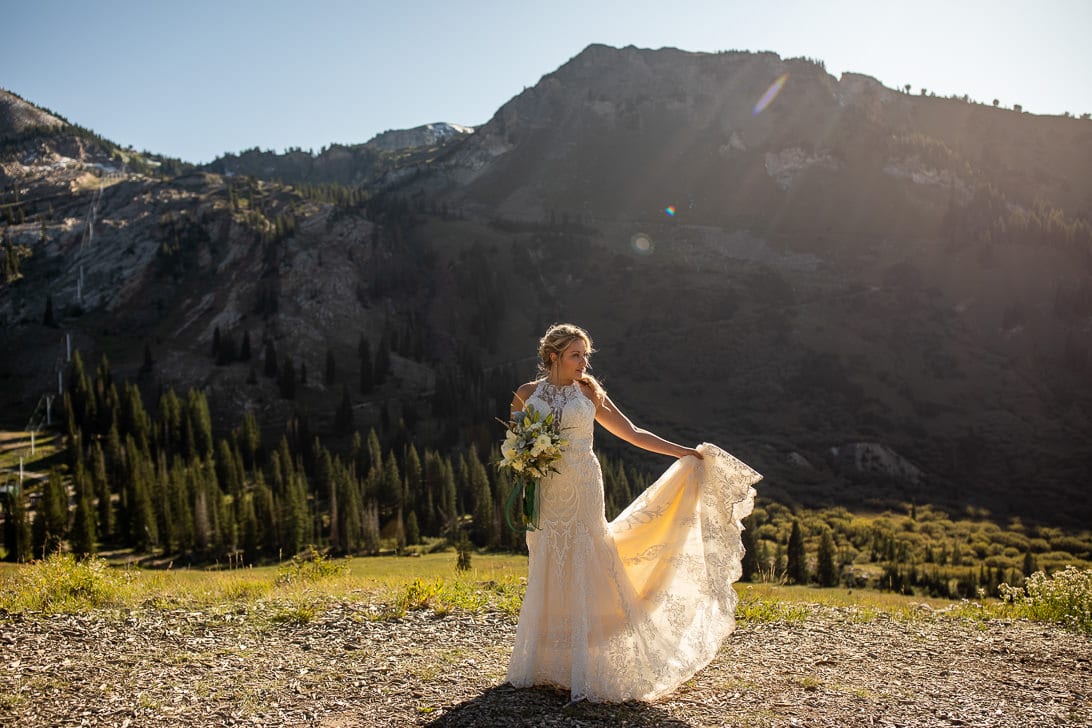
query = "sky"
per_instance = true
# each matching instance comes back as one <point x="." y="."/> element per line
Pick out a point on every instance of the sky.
<point x="200" y="78"/>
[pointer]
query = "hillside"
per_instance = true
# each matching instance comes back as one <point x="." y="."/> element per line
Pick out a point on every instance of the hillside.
<point x="873" y="297"/>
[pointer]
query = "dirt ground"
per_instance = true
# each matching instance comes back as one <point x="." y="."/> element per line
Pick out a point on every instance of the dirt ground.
<point x="346" y="667"/>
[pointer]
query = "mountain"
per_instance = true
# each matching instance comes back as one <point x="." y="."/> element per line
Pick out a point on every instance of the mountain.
<point x="388" y="157"/>
<point x="18" y="117"/>
<point x="875" y="298"/>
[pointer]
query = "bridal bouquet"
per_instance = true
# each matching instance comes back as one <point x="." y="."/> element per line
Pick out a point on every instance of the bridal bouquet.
<point x="531" y="446"/>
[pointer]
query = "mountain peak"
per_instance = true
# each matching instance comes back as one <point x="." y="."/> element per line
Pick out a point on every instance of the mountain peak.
<point x="426" y="135"/>
<point x="18" y="116"/>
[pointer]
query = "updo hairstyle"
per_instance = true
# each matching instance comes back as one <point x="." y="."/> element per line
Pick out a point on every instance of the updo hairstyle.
<point x="555" y="341"/>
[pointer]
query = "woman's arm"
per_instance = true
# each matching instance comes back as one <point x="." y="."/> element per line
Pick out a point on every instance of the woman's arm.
<point x="617" y="424"/>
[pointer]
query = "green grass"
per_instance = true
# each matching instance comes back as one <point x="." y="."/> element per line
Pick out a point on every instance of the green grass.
<point x="298" y="589"/>
<point x="297" y="592"/>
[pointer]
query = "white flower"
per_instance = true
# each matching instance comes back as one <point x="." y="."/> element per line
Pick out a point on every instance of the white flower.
<point x="542" y="443"/>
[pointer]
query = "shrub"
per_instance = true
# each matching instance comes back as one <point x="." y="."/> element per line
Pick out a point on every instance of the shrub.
<point x="60" y="583"/>
<point x="1065" y="598"/>
<point x="311" y="566"/>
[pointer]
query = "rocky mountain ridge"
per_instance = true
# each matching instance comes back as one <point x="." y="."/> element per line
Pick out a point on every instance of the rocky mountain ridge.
<point x="875" y="298"/>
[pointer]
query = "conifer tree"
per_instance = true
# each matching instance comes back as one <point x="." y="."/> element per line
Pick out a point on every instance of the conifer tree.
<point x="244" y="348"/>
<point x="179" y="503"/>
<point x="249" y="440"/>
<point x="51" y="523"/>
<point x="17" y="532"/>
<point x="485" y="522"/>
<point x="371" y="527"/>
<point x="797" y="568"/>
<point x="83" y="539"/>
<point x="47" y="318"/>
<point x="249" y="531"/>
<point x="450" y="502"/>
<point x="826" y="570"/>
<point x="413" y="530"/>
<point x="390" y="485"/>
<point x="101" y="487"/>
<point x="227" y="472"/>
<point x="142" y="527"/>
<point x="197" y="411"/>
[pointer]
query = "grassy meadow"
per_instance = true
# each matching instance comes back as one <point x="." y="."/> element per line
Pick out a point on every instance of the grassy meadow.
<point x="299" y="590"/>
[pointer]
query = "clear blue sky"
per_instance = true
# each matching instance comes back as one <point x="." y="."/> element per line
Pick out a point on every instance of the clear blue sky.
<point x="198" y="78"/>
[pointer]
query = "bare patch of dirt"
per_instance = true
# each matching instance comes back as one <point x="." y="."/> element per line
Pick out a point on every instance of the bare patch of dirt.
<point x="345" y="667"/>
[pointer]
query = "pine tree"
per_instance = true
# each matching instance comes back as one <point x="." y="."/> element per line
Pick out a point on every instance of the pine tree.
<point x="413" y="530"/>
<point x="797" y="569"/>
<point x="248" y="526"/>
<point x="244" y="348"/>
<point x="826" y="571"/>
<point x="249" y="440"/>
<point x="17" y="533"/>
<point x="197" y="412"/>
<point x="371" y="527"/>
<point x="51" y="523"/>
<point x="83" y="524"/>
<point x="105" y="509"/>
<point x="485" y="521"/>
<point x="390" y="485"/>
<point x="227" y="472"/>
<point x="143" y="529"/>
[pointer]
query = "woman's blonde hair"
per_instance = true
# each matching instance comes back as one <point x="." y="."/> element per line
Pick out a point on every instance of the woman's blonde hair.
<point x="556" y="340"/>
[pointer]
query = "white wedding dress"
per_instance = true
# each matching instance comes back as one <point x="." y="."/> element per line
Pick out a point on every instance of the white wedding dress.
<point x="628" y="610"/>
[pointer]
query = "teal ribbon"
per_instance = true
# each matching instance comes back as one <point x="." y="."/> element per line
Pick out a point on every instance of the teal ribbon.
<point x="523" y="499"/>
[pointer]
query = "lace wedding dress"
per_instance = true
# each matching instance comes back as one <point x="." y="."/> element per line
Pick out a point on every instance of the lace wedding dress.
<point x="631" y="609"/>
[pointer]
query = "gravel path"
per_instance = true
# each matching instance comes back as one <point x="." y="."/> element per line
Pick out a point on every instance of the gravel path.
<point x="348" y="667"/>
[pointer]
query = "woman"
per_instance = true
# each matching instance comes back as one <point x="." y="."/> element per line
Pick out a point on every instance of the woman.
<point x="631" y="609"/>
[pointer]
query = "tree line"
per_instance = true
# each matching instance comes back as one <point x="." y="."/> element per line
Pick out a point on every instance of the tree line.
<point x="163" y="483"/>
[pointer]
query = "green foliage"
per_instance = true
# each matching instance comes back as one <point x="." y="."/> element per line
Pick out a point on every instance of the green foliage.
<point x="797" y="558"/>
<point x="310" y="566"/>
<point x="463" y="548"/>
<point x="1064" y="598"/>
<point x="62" y="584"/>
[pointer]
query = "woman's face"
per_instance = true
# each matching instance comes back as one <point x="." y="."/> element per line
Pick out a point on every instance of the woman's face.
<point x="572" y="362"/>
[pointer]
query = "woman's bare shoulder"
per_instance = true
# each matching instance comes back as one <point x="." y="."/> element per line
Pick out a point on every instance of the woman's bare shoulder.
<point x="525" y="391"/>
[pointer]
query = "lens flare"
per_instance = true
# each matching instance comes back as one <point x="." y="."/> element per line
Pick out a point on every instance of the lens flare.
<point x="771" y="94"/>
<point x="670" y="210"/>
<point x="642" y="244"/>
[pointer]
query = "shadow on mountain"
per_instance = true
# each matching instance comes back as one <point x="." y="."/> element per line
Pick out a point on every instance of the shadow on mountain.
<point x="505" y="705"/>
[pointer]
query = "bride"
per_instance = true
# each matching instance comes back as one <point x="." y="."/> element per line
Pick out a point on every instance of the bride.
<point x="631" y="609"/>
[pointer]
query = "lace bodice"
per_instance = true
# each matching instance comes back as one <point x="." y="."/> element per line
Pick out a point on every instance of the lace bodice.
<point x="569" y="403"/>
